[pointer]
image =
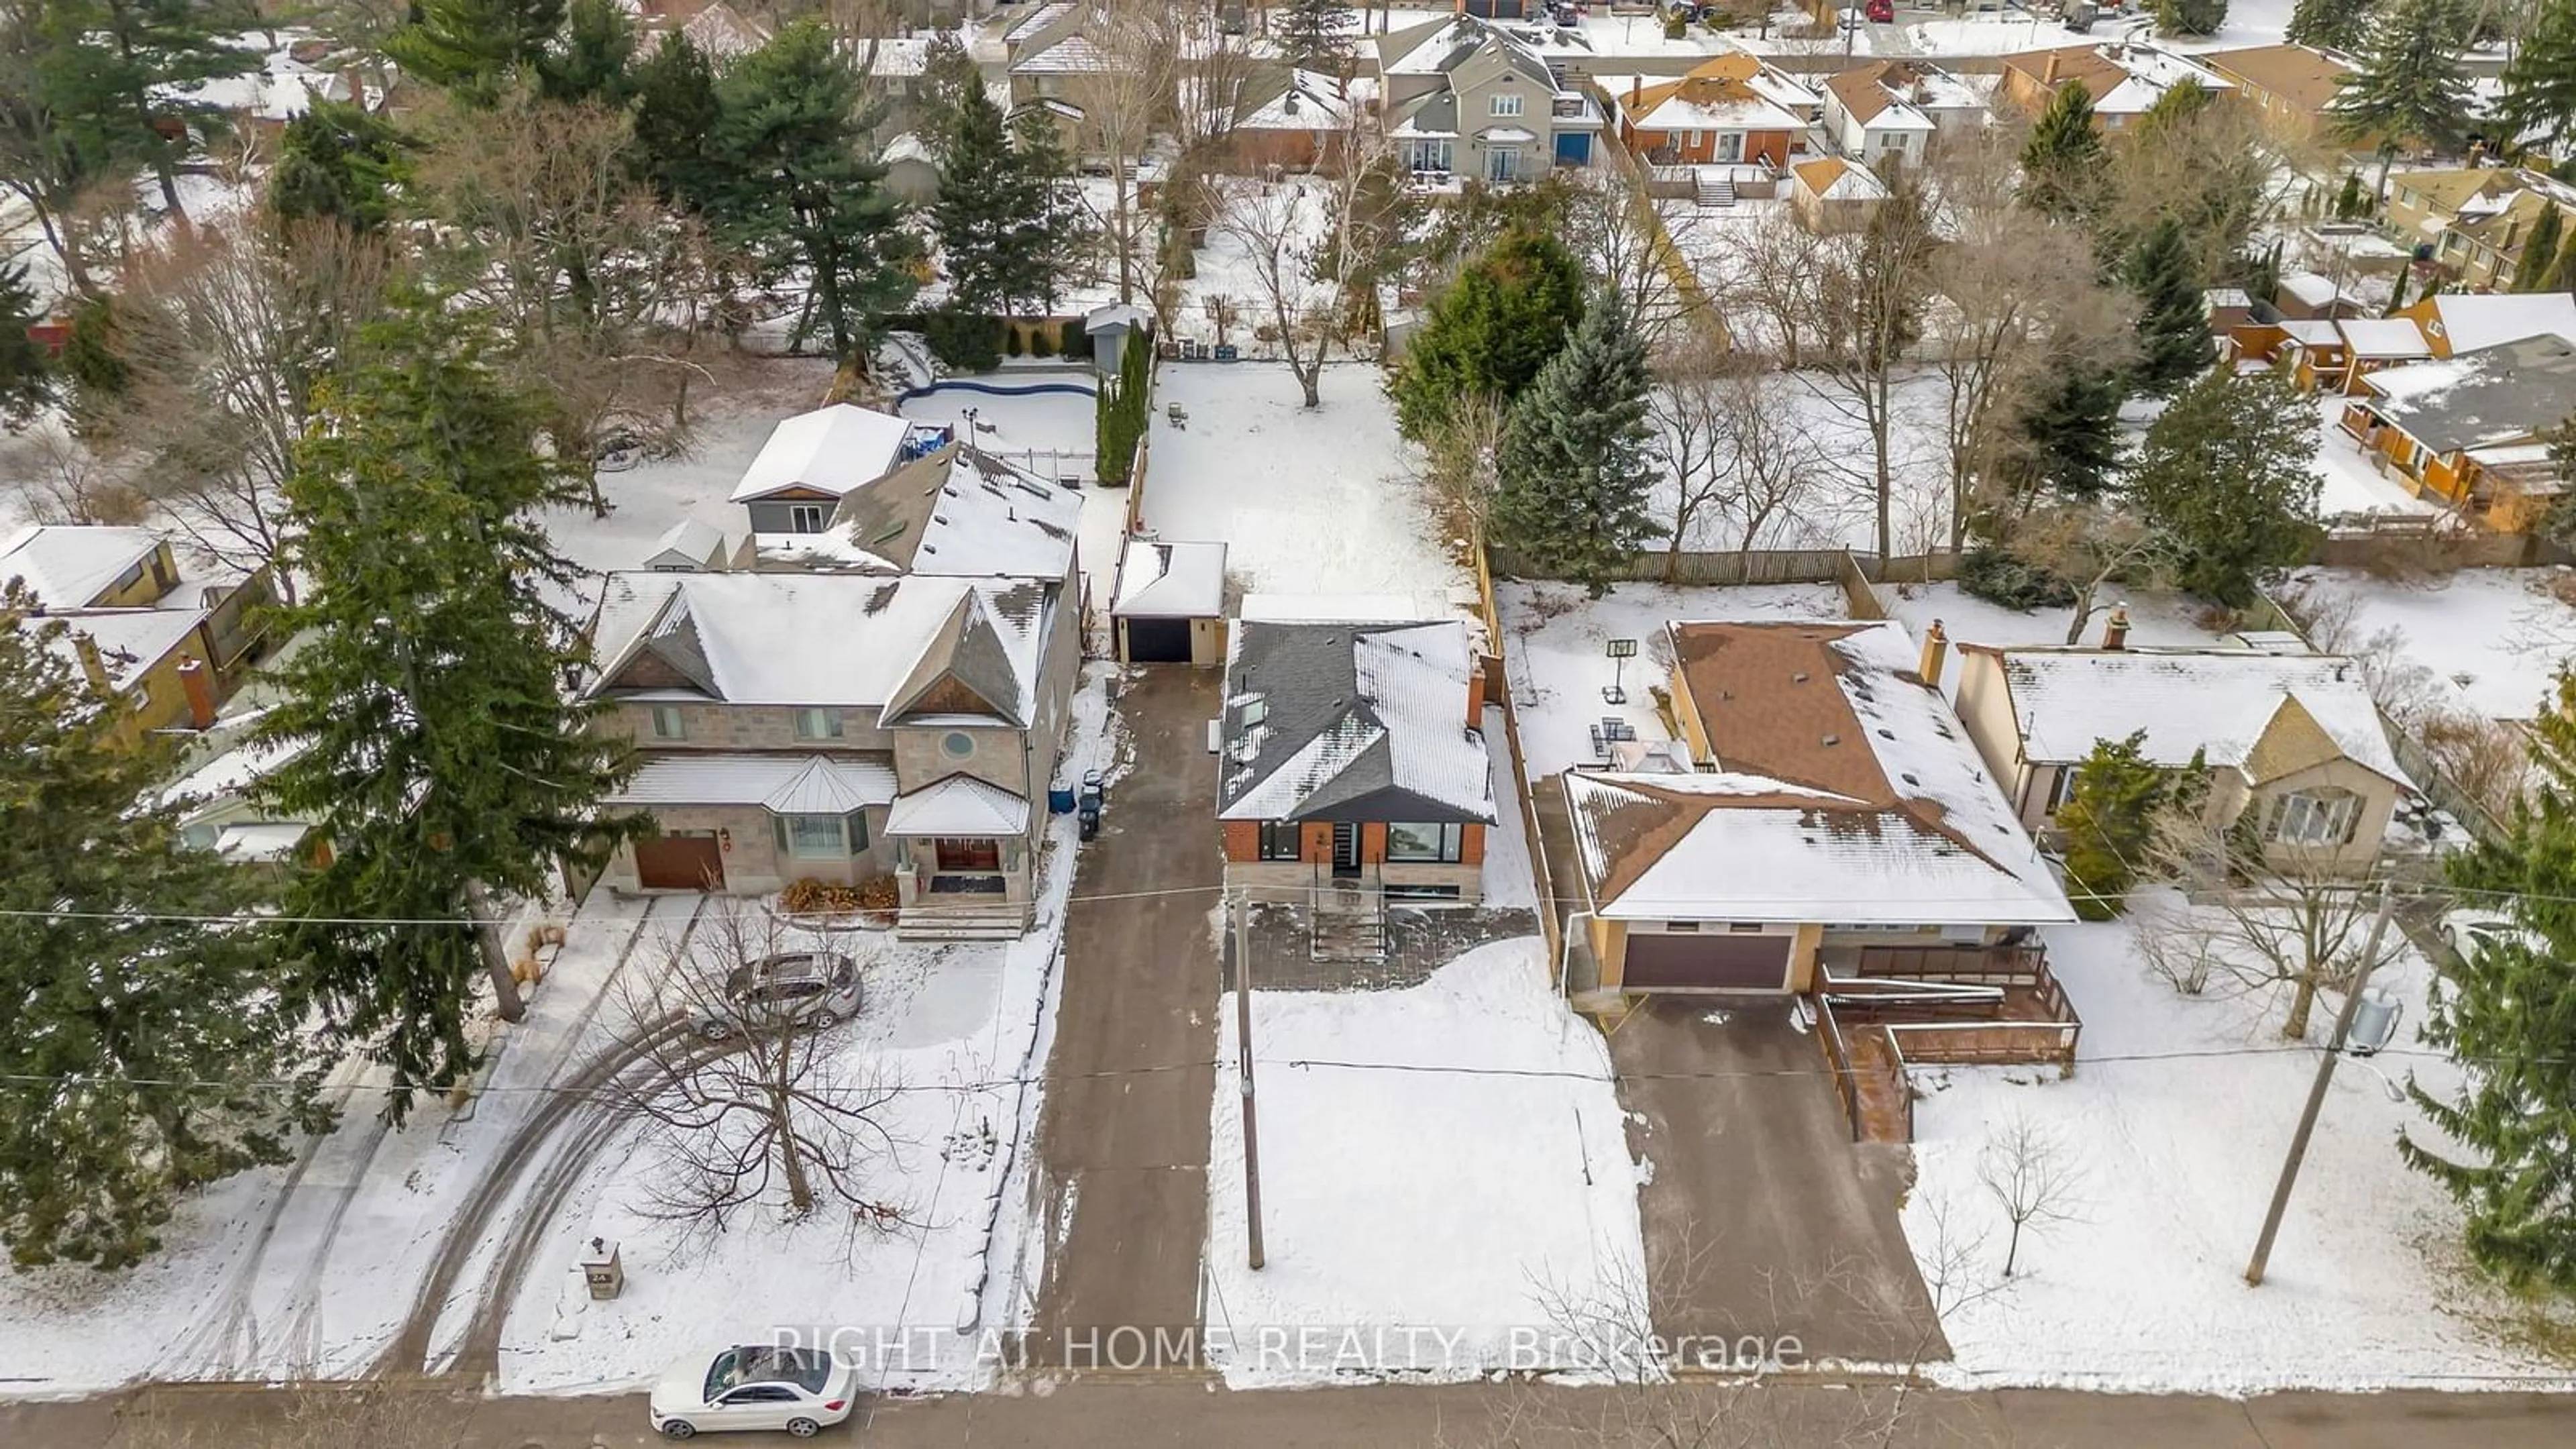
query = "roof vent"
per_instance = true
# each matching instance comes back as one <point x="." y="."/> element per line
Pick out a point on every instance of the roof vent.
<point x="1833" y="739"/>
<point x="1886" y="734"/>
<point x="1798" y="678"/>
<point x="1909" y="778"/>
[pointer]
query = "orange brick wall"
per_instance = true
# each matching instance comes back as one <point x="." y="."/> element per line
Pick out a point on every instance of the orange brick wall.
<point x="1471" y="845"/>
<point x="1242" y="839"/>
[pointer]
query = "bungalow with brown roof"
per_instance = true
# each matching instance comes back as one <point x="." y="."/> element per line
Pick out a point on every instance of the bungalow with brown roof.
<point x="2289" y="85"/>
<point x="2123" y="78"/>
<point x="1731" y="110"/>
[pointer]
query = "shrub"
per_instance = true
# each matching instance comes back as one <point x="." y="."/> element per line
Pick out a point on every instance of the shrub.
<point x="1999" y="576"/>
<point x="1042" y="340"/>
<point x="965" y="341"/>
<point x="1011" y="346"/>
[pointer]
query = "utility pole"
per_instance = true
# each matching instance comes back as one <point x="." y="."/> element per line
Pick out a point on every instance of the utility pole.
<point x="1243" y="1046"/>
<point x="2317" y="1093"/>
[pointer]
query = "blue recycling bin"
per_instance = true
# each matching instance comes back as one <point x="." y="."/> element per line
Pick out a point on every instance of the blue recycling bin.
<point x="1059" y="801"/>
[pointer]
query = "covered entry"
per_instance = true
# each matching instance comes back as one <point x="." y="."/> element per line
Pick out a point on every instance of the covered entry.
<point x="683" y="860"/>
<point x="1706" y="961"/>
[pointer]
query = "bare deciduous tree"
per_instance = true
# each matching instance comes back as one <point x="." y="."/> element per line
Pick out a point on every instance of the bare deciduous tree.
<point x="1275" y="223"/>
<point x="1734" y="452"/>
<point x="1870" y="299"/>
<point x="1769" y="281"/>
<point x="2089" y="546"/>
<point x="2034" y="1179"/>
<point x="67" y="480"/>
<point x="2280" y="915"/>
<point x="765" y="1112"/>
<point x="1122" y="100"/>
<point x="1611" y="224"/>
<point x="1458" y="463"/>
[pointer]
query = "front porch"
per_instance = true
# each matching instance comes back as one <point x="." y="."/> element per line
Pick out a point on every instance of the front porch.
<point x="1881" y="1010"/>
<point x="961" y="860"/>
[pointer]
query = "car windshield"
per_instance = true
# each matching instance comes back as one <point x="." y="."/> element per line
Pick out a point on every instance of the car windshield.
<point x="807" y="1368"/>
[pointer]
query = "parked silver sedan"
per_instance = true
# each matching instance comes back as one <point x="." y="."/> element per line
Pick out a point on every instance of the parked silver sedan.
<point x="816" y="989"/>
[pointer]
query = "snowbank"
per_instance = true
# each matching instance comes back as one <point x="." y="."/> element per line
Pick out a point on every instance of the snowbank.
<point x="1416" y="1219"/>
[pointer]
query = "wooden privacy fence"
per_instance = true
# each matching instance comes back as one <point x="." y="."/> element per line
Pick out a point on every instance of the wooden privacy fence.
<point x="1762" y="566"/>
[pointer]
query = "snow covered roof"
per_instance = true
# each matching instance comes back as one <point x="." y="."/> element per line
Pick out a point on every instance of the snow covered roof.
<point x="2312" y="331"/>
<point x="1306" y="101"/>
<point x="830" y="450"/>
<point x="1442" y="46"/>
<point x="2309" y="287"/>
<point x="68" y="566"/>
<point x="1835" y="179"/>
<point x="959" y="511"/>
<point x="1170" y="580"/>
<point x="1341" y="608"/>
<point x="790" y="784"/>
<point x="2469" y="321"/>
<point x="129" y="641"/>
<point x="2218" y="704"/>
<point x="723" y="32"/>
<point x="959" y="805"/>
<point x="2384" y="337"/>
<point x="1352" y="722"/>
<point x="1843" y="790"/>
<point x="821" y="639"/>
<point x="2507" y="394"/>
<point x="1733" y="92"/>
<point x="260" y="840"/>
<point x="688" y="545"/>
<point x="233" y="770"/>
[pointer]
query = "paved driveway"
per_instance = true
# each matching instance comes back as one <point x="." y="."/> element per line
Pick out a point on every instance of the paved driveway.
<point x="1763" y="1217"/>
<point x="1124" y="1139"/>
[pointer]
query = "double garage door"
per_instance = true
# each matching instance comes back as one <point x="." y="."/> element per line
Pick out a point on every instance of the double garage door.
<point x="1691" y="961"/>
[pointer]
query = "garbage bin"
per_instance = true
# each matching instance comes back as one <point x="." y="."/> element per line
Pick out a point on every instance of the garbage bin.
<point x="1060" y="801"/>
<point x="602" y="1270"/>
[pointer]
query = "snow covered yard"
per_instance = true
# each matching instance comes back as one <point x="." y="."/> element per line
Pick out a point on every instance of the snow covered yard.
<point x="2499" y="634"/>
<point x="2173" y="1130"/>
<point x="2352" y="485"/>
<point x="960" y="1029"/>
<point x="1318" y="501"/>
<point x="1417" y="1219"/>
<point x="2153" y="619"/>
<point x="1510" y="881"/>
<point x="1558" y="662"/>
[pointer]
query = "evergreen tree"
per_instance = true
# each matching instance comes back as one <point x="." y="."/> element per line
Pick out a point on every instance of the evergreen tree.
<point x="2508" y="1010"/>
<point x="593" y="59"/>
<point x="2173" y="328"/>
<point x="948" y="77"/>
<point x="147" y="1054"/>
<point x="470" y="47"/>
<point x="795" y="189"/>
<point x="1491" y="331"/>
<point x="2540" y="80"/>
<point x="2562" y="271"/>
<point x="2190" y="17"/>
<point x="1576" y="462"/>
<point x="2224" y="480"/>
<point x="676" y="111"/>
<point x="2330" y="24"/>
<point x="2062" y="162"/>
<point x="1054" y="231"/>
<point x="438" y="758"/>
<point x="341" y="162"/>
<point x="1314" y="34"/>
<point x="983" y="200"/>
<point x="2539" y="251"/>
<point x="156" y="55"/>
<point x="2072" y="430"/>
<point x="2107" y="822"/>
<point x="2407" y="86"/>
<point x="94" y="365"/>
<point x="26" y="381"/>
<point x="2397" y="289"/>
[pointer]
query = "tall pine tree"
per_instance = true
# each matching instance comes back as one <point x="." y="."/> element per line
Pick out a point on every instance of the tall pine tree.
<point x="2190" y="17"/>
<point x="26" y="380"/>
<point x="982" y="201"/>
<point x="2539" y="250"/>
<point x="2062" y="162"/>
<point x="675" y="115"/>
<point x="2407" y="87"/>
<point x="796" y="189"/>
<point x="2225" y="482"/>
<point x="2329" y="24"/>
<point x="2173" y="329"/>
<point x="2107" y="823"/>
<point x="341" y="162"/>
<point x="2507" y="1149"/>
<point x="592" y="58"/>
<point x="438" y="755"/>
<point x="1576" y="461"/>
<point x="1490" y="332"/>
<point x="147" y="1054"/>
<point x="2540" y="80"/>
<point x="1054" y="231"/>
<point x="1314" y="34"/>
<point x="470" y="47"/>
<point x="2071" y="429"/>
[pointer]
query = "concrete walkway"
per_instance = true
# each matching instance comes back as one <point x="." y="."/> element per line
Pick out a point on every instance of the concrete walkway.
<point x="1124" y="1139"/>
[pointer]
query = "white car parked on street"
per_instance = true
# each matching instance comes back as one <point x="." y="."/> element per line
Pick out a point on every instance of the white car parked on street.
<point x="756" y="1386"/>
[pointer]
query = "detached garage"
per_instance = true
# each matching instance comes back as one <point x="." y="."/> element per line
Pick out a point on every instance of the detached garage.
<point x="1170" y="605"/>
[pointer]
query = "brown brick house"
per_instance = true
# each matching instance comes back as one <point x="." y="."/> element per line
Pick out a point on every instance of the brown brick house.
<point x="1352" y="757"/>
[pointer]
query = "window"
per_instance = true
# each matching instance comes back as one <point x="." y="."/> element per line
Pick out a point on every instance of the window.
<point x="1744" y="928"/>
<point x="128" y="579"/>
<point x="1507" y="105"/>
<point x="2316" y="817"/>
<point x="818" y="724"/>
<point x="1681" y="928"/>
<point x="957" y="744"/>
<point x="1426" y="155"/>
<point x="1279" y="840"/>
<point x="806" y="518"/>
<point x="1442" y="843"/>
<point x="823" y="837"/>
<point x="668" y="723"/>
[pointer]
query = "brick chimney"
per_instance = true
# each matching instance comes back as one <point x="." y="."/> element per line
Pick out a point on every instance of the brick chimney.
<point x="1936" y="653"/>
<point x="2048" y="76"/>
<point x="91" y="664"/>
<point x="200" y="689"/>
<point x="1636" y="91"/>
<point x="2115" y="634"/>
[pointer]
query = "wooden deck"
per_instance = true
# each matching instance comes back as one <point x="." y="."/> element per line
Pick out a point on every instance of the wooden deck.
<point x="1936" y="1007"/>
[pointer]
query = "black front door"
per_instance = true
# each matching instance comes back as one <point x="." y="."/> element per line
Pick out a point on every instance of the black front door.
<point x="1346" y="848"/>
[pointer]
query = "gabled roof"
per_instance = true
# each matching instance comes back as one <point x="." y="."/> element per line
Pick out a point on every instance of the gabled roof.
<point x="2124" y="78"/>
<point x="2306" y="78"/>
<point x="1170" y="580"/>
<point x="67" y="566"/>
<point x="2471" y="321"/>
<point x="830" y="450"/>
<point x="1351" y="722"/>
<point x="2384" y="337"/>
<point x="688" y="544"/>
<point x="2497" y="395"/>
<point x="1842" y="789"/>
<point x="958" y="805"/>
<point x="1445" y="47"/>
<point x="816" y="639"/>
<point x="1834" y="179"/>
<point x="959" y="511"/>
<point x="965" y="672"/>
<point x="2223" y="705"/>
<point x="1871" y="96"/>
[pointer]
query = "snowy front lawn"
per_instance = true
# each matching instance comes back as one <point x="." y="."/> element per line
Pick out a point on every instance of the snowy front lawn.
<point x="960" y="1030"/>
<point x="1417" y="1212"/>
<point x="1558" y="661"/>
<point x="2172" y="1133"/>
<point x="1308" y="501"/>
